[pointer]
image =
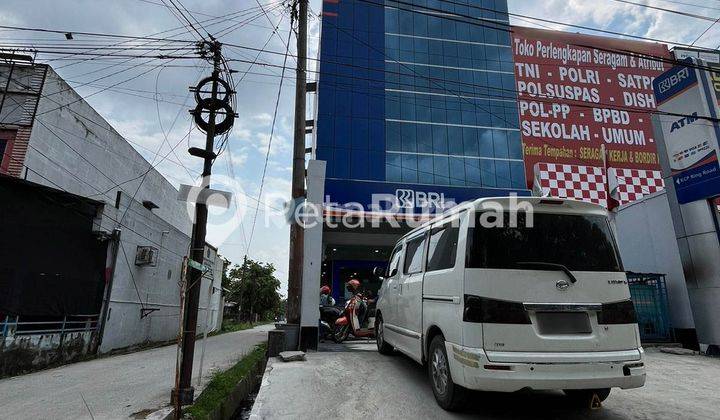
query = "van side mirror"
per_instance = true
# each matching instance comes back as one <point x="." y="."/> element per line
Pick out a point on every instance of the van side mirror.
<point x="393" y="272"/>
<point x="379" y="272"/>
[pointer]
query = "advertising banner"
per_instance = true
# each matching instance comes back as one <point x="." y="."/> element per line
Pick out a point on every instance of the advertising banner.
<point x="691" y="141"/>
<point x="584" y="104"/>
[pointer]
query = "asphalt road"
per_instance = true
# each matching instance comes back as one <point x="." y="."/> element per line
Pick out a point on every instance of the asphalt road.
<point x="355" y="381"/>
<point x="116" y="387"/>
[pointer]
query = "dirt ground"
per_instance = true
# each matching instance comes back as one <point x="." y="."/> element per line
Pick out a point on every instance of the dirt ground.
<point x="354" y="381"/>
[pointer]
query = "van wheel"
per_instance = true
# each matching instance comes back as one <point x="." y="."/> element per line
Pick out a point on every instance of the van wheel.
<point x="584" y="397"/>
<point x="448" y="395"/>
<point x="382" y="345"/>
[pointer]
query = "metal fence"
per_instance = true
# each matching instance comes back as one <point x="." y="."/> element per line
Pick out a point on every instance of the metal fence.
<point x="17" y="325"/>
<point x="649" y="295"/>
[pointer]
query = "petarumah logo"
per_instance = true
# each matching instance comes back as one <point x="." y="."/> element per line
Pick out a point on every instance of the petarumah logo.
<point x="409" y="199"/>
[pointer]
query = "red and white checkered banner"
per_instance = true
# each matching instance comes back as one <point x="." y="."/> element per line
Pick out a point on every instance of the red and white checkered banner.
<point x="586" y="183"/>
<point x="627" y="185"/>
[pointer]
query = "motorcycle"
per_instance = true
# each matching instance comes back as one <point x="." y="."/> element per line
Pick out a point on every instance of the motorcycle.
<point x="328" y="316"/>
<point x="350" y="323"/>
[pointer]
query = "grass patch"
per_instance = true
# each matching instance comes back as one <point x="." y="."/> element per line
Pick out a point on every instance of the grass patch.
<point x="223" y="383"/>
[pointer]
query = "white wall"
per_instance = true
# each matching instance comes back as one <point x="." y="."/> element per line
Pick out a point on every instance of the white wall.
<point x="73" y="148"/>
<point x="647" y="245"/>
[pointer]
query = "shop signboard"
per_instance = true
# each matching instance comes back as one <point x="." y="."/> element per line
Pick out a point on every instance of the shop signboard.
<point x="686" y="96"/>
<point x="584" y="103"/>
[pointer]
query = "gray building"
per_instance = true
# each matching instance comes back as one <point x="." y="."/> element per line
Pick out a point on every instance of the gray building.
<point x="52" y="137"/>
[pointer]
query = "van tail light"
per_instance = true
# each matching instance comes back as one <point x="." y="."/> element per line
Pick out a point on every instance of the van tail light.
<point x="494" y="311"/>
<point x="622" y="312"/>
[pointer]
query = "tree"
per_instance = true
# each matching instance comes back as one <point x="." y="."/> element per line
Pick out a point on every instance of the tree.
<point x="255" y="288"/>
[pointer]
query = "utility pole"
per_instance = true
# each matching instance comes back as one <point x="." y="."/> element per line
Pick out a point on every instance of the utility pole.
<point x="295" y="267"/>
<point x="183" y="393"/>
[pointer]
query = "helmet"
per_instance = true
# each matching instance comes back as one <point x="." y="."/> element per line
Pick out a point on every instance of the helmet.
<point x="353" y="285"/>
<point x="325" y="290"/>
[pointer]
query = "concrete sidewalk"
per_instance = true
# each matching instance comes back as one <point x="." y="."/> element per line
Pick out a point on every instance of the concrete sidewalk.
<point x="118" y="386"/>
<point x="354" y="381"/>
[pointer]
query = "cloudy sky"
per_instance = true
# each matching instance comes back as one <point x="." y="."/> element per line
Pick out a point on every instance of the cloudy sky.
<point x="146" y="99"/>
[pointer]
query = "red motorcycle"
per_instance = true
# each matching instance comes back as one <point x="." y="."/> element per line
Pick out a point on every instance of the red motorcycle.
<point x="351" y="322"/>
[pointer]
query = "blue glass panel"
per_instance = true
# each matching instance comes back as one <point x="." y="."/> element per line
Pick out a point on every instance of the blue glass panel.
<point x="517" y="173"/>
<point x="408" y="137"/>
<point x="514" y="145"/>
<point x="341" y="163"/>
<point x="342" y="132"/>
<point x="391" y="20"/>
<point x="487" y="172"/>
<point x="377" y="134"/>
<point x="393" y="167"/>
<point x="325" y="131"/>
<point x="470" y="143"/>
<point x="425" y="169"/>
<point x="405" y="22"/>
<point x="442" y="170"/>
<point x="439" y="139"/>
<point x="420" y="26"/>
<point x="422" y="108"/>
<point x="472" y="172"/>
<point x="360" y="165"/>
<point x="360" y="134"/>
<point x="434" y="27"/>
<point x="377" y="166"/>
<point x="500" y="144"/>
<point x="424" y="138"/>
<point x="457" y="171"/>
<point x="502" y="173"/>
<point x="409" y="168"/>
<point x="392" y="136"/>
<point x="407" y="108"/>
<point x="455" y="140"/>
<point x="485" y="143"/>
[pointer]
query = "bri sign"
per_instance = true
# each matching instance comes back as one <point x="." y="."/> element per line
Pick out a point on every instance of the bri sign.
<point x="390" y="197"/>
<point x="691" y="138"/>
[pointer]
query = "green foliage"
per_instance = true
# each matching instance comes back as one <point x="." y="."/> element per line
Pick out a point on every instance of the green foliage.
<point x="223" y="383"/>
<point x="255" y="288"/>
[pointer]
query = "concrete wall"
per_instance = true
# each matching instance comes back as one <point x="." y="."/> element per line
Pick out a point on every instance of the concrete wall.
<point x="698" y="241"/>
<point x="74" y="149"/>
<point x="647" y="245"/>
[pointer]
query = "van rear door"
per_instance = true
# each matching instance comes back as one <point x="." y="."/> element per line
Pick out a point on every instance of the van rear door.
<point x="548" y="282"/>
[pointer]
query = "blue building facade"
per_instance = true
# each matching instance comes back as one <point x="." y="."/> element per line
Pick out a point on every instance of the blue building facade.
<point x="414" y="96"/>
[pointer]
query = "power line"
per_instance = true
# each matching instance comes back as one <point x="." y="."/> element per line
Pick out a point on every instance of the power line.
<point x="272" y="131"/>
<point x="663" y="9"/>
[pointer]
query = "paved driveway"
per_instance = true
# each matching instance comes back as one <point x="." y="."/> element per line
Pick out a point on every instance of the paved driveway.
<point x="117" y="386"/>
<point x="355" y="381"/>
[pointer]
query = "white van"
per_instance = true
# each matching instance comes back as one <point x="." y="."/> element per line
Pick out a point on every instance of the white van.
<point x="489" y="306"/>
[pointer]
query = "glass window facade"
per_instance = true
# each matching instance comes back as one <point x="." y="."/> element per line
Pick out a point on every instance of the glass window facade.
<point x="407" y="95"/>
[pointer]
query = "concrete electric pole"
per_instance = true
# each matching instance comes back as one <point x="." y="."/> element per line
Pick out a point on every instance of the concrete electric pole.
<point x="295" y="268"/>
<point x="183" y="393"/>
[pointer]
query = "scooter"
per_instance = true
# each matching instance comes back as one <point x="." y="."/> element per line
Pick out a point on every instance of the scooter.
<point x="328" y="316"/>
<point x="349" y="322"/>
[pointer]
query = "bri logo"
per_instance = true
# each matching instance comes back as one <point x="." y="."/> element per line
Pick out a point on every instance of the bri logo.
<point x="667" y="83"/>
<point x="409" y="199"/>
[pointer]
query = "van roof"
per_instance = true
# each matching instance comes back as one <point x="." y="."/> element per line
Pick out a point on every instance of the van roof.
<point x="539" y="204"/>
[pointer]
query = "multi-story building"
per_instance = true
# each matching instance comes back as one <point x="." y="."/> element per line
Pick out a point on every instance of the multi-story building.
<point x="416" y="107"/>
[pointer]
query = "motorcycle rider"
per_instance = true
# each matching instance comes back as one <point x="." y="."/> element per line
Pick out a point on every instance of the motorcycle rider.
<point x="325" y="298"/>
<point x="353" y="286"/>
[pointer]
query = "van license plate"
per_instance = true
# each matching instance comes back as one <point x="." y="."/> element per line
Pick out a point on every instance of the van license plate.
<point x="563" y="323"/>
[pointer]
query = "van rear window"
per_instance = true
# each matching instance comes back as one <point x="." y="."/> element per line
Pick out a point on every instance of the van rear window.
<point x="579" y="242"/>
